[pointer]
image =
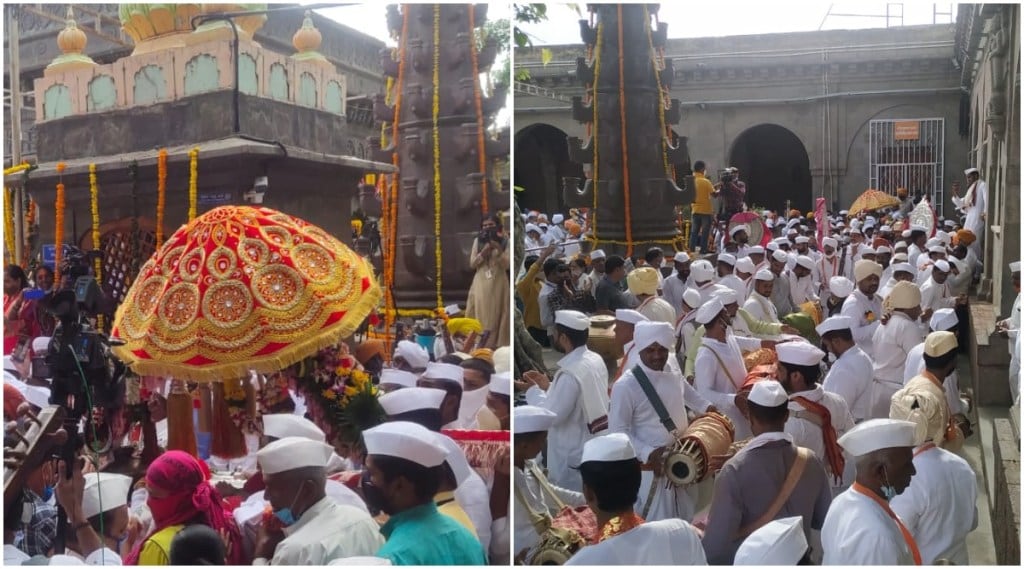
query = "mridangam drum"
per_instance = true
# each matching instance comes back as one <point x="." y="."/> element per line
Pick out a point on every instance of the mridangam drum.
<point x="707" y="436"/>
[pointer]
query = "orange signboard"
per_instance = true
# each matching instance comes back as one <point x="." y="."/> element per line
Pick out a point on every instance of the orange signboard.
<point x="907" y="130"/>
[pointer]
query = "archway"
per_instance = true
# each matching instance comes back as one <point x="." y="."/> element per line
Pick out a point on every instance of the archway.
<point x="542" y="160"/>
<point x="775" y="166"/>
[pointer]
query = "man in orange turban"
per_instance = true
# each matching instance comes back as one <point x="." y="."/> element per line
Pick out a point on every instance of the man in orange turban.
<point x="371" y="354"/>
<point x="965" y="237"/>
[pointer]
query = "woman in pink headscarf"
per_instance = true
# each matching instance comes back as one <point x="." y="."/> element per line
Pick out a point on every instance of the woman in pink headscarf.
<point x="180" y="495"/>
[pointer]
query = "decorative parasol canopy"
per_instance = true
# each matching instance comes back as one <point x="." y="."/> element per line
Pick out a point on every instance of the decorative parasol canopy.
<point x="757" y="230"/>
<point x="924" y="215"/>
<point x="239" y="289"/>
<point x="872" y="200"/>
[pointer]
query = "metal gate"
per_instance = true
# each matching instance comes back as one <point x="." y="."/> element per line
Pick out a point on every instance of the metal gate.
<point x="908" y="153"/>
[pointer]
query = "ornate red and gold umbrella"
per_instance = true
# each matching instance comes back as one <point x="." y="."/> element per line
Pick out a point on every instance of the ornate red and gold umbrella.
<point x="872" y="200"/>
<point x="239" y="289"/>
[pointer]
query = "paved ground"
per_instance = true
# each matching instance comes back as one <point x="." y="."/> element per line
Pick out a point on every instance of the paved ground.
<point x="977" y="451"/>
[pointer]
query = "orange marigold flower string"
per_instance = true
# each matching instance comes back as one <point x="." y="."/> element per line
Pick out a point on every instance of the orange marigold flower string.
<point x="161" y="195"/>
<point x="58" y="230"/>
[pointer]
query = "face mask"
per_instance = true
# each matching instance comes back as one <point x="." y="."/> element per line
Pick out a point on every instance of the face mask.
<point x="888" y="490"/>
<point x="47" y="493"/>
<point x="285" y="515"/>
<point x="164" y="509"/>
<point x="472" y="401"/>
<point x="374" y="497"/>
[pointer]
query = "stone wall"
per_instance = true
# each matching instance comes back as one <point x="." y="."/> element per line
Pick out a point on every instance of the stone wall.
<point x="1005" y="494"/>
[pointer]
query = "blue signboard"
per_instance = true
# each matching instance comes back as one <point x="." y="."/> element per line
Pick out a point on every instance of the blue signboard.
<point x="214" y="198"/>
<point x="50" y="256"/>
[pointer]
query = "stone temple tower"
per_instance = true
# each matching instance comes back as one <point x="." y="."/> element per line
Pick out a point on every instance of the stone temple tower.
<point x="628" y="115"/>
<point x="435" y="119"/>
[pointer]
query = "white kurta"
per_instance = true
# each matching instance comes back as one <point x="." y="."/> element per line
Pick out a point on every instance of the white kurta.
<point x="913" y="252"/>
<point x="960" y="282"/>
<point x="827" y="268"/>
<point x="708" y="291"/>
<point x="761" y="308"/>
<point x="664" y="542"/>
<point x="579" y="370"/>
<point x="672" y="290"/>
<point x="693" y="399"/>
<point x="475" y="499"/>
<point x="737" y="285"/>
<point x="718" y="383"/>
<point x="327" y="531"/>
<point x="686" y="331"/>
<point x="801" y="289"/>
<point x="939" y="507"/>
<point x="526" y="486"/>
<point x="974" y="211"/>
<point x="935" y="295"/>
<point x="809" y="435"/>
<point x="866" y="314"/>
<point x="857" y="531"/>
<point x="632" y="414"/>
<point x="892" y="344"/>
<point x="1013" y="324"/>
<point x="851" y="378"/>
<point x="915" y="365"/>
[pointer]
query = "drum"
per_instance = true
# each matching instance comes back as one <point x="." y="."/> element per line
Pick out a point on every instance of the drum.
<point x="756" y="228"/>
<point x="707" y="436"/>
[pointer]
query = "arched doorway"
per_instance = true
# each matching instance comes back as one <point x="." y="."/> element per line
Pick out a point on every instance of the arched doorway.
<point x="774" y="164"/>
<point x="542" y="160"/>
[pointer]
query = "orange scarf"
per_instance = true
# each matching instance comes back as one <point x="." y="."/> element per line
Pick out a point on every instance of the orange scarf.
<point x="834" y="454"/>
<point x="618" y="525"/>
<point x="903" y="529"/>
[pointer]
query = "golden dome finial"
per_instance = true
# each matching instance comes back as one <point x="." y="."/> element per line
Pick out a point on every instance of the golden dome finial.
<point x="307" y="38"/>
<point x="71" y="40"/>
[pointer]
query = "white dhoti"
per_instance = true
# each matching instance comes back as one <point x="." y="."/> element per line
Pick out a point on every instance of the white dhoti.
<point x="669" y="501"/>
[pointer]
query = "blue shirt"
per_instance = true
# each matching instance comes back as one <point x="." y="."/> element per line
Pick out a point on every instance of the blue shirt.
<point x="424" y="536"/>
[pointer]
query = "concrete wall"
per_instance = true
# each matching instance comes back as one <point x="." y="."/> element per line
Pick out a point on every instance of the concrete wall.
<point x="1006" y="493"/>
<point x="727" y="85"/>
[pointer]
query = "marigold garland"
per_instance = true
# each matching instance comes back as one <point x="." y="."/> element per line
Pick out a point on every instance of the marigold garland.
<point x="193" y="182"/>
<point x="16" y="169"/>
<point x="389" y="188"/>
<point x="480" y="146"/>
<point x="625" y="145"/>
<point x="9" y="222"/>
<point x="161" y="195"/>
<point x="94" y="199"/>
<point x="58" y="231"/>
<point x="437" y="153"/>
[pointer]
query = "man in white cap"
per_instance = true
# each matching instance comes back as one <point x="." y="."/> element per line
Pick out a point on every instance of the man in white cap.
<point x="97" y="511"/>
<point x="901" y="272"/>
<point x="316" y="528"/>
<point x="973" y="205"/>
<point x="757" y="255"/>
<point x="769" y="478"/>
<point x="673" y="287"/>
<point x="450" y="378"/>
<point x="851" y="376"/>
<point x="611" y="484"/>
<point x="864" y="306"/>
<point x="597" y="261"/>
<point x="944" y="320"/>
<point x="935" y="291"/>
<point x="1010" y="328"/>
<point x="411" y="357"/>
<point x="393" y="379"/>
<point x="557" y="230"/>
<point x="626" y="320"/>
<point x="861" y="528"/>
<point x="759" y="303"/>
<point x="420" y="405"/>
<point x="718" y="368"/>
<point x="686" y="326"/>
<point x="779" y="542"/>
<point x="533" y="493"/>
<point x="640" y="397"/>
<point x="402" y="476"/>
<point x="830" y="264"/>
<point x="533" y="240"/>
<point x="578" y="395"/>
<point x="892" y="341"/>
<point x="817" y="418"/>
<point x="832" y="298"/>
<point x="741" y="237"/>
<point x="703" y="274"/>
<point x="780" y="289"/>
<point x="643" y="285"/>
<point x="940" y="355"/>
<point x="496" y="414"/>
<point x="801" y="281"/>
<point x="938" y="507"/>
<point x="918" y="240"/>
<point x="726" y="277"/>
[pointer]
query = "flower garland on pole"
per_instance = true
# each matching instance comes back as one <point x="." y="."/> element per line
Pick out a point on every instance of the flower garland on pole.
<point x="480" y="145"/>
<point x="437" y="154"/>
<point x="193" y="182"/>
<point x="9" y="222"/>
<point x="16" y="169"/>
<point x="58" y="230"/>
<point x="94" y="200"/>
<point x="625" y="145"/>
<point x="161" y="195"/>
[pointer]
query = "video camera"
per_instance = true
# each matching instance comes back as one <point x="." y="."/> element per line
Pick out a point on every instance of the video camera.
<point x="726" y="175"/>
<point x="488" y="235"/>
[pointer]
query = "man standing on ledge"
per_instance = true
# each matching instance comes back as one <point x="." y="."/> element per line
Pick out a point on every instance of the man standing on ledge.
<point x="701" y="210"/>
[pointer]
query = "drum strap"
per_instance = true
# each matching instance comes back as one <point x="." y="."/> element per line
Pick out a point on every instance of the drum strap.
<point x="721" y="365"/>
<point x="792" y="479"/>
<point x="654" y="398"/>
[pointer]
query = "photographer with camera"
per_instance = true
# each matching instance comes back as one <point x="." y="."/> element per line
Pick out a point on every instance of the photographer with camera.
<point x="490" y="288"/>
<point x="733" y="192"/>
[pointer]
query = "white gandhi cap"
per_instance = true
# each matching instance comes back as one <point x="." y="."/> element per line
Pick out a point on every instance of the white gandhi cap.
<point x="501" y="383"/>
<point x="834" y="323"/>
<point x="572" y="319"/>
<point x="531" y="419"/>
<point x="291" y="453"/>
<point x="709" y="310"/>
<point x="608" y="448"/>
<point x="799" y="353"/>
<point x="448" y="372"/>
<point x="877" y="434"/>
<point x="104" y="492"/>
<point x="281" y="425"/>
<point x="768" y="393"/>
<point x="398" y="377"/>
<point x="779" y="542"/>
<point x="409" y="441"/>
<point x="629" y="316"/>
<point x="411" y="399"/>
